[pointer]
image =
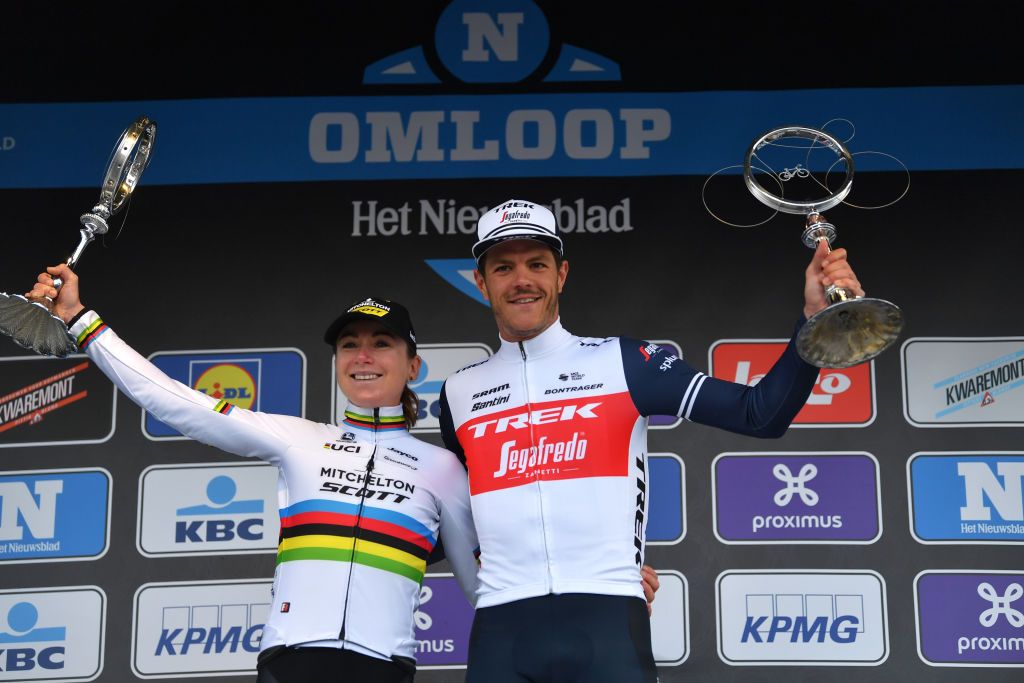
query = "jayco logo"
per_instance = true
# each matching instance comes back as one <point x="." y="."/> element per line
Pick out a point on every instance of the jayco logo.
<point x="795" y="485"/>
<point x="1001" y="605"/>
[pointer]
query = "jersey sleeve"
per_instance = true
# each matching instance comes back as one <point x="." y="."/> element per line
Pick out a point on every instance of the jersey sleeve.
<point x="193" y="413"/>
<point x="448" y="435"/>
<point x="661" y="383"/>
<point x="457" y="531"/>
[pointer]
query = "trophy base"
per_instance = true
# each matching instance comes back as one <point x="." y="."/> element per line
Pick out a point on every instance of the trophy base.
<point x="849" y="332"/>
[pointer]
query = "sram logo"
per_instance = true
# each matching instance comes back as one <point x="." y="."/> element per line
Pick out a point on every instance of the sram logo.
<point x="555" y="440"/>
<point x="535" y="417"/>
<point x="840" y="397"/>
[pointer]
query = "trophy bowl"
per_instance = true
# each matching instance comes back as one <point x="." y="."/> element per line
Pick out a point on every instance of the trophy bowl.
<point x="849" y="330"/>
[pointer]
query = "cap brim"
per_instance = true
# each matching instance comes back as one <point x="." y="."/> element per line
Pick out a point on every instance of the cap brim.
<point x="483" y="245"/>
<point x="331" y="335"/>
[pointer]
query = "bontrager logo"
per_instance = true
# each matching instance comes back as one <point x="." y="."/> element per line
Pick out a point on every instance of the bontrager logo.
<point x="536" y="417"/>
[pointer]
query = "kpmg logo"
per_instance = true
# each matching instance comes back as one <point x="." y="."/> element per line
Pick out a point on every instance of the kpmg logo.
<point x="52" y="401"/>
<point x="821" y="618"/>
<point x="796" y="498"/>
<point x="840" y="398"/>
<point x="51" y="635"/>
<point x="206" y="628"/>
<point x="439" y="361"/>
<point x="443" y="620"/>
<point x="54" y="515"/>
<point x="970" y="618"/>
<point x="666" y="503"/>
<point x="268" y="380"/>
<point x="968" y="497"/>
<point x="207" y="509"/>
<point x="963" y="382"/>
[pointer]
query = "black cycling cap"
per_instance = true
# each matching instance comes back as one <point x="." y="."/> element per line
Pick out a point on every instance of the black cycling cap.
<point x="390" y="314"/>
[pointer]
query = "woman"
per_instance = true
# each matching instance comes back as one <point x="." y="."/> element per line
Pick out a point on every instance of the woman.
<point x="361" y="503"/>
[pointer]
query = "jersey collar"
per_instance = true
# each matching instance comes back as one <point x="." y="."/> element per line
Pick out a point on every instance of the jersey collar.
<point x="382" y="422"/>
<point x="544" y="343"/>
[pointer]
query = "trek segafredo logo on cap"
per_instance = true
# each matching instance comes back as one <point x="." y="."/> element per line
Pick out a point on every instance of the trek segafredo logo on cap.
<point x="371" y="307"/>
<point x="798" y="498"/>
<point x="970" y="618"/>
<point x="786" y="617"/>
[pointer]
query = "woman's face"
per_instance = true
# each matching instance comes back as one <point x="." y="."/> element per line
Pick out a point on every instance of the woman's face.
<point x="373" y="365"/>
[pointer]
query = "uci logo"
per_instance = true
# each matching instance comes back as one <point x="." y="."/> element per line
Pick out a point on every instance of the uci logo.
<point x="479" y="42"/>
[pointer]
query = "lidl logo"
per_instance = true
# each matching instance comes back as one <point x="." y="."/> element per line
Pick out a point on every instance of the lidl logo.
<point x="52" y="634"/>
<point x="438" y="362"/>
<point x="203" y="509"/>
<point x="267" y="380"/>
<point x="487" y="42"/>
<point x="232" y="382"/>
<point x="840" y="397"/>
<point x="54" y="515"/>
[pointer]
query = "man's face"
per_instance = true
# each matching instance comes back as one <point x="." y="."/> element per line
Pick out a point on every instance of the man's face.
<point x="522" y="282"/>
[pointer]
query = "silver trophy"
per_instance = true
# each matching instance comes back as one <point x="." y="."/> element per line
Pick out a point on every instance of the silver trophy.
<point x="849" y="330"/>
<point x="30" y="322"/>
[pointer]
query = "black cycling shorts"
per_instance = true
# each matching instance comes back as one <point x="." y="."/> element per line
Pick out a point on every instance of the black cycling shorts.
<point x="330" y="665"/>
<point x="570" y="638"/>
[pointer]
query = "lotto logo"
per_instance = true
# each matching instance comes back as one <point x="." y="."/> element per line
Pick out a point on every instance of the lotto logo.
<point x="840" y="398"/>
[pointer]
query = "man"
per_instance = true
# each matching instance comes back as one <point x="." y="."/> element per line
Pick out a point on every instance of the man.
<point x="553" y="431"/>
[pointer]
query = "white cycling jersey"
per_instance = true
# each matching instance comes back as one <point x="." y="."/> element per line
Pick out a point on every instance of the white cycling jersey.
<point x="553" y="432"/>
<point x="361" y="505"/>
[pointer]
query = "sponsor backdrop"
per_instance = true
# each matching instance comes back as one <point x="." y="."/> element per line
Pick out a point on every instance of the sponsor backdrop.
<point x="883" y="531"/>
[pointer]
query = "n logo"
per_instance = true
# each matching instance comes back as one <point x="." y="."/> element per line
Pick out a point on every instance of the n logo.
<point x="38" y="511"/>
<point x="502" y="37"/>
<point x="1006" y="498"/>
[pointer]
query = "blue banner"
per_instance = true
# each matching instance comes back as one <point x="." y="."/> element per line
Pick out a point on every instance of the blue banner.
<point x="508" y="135"/>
